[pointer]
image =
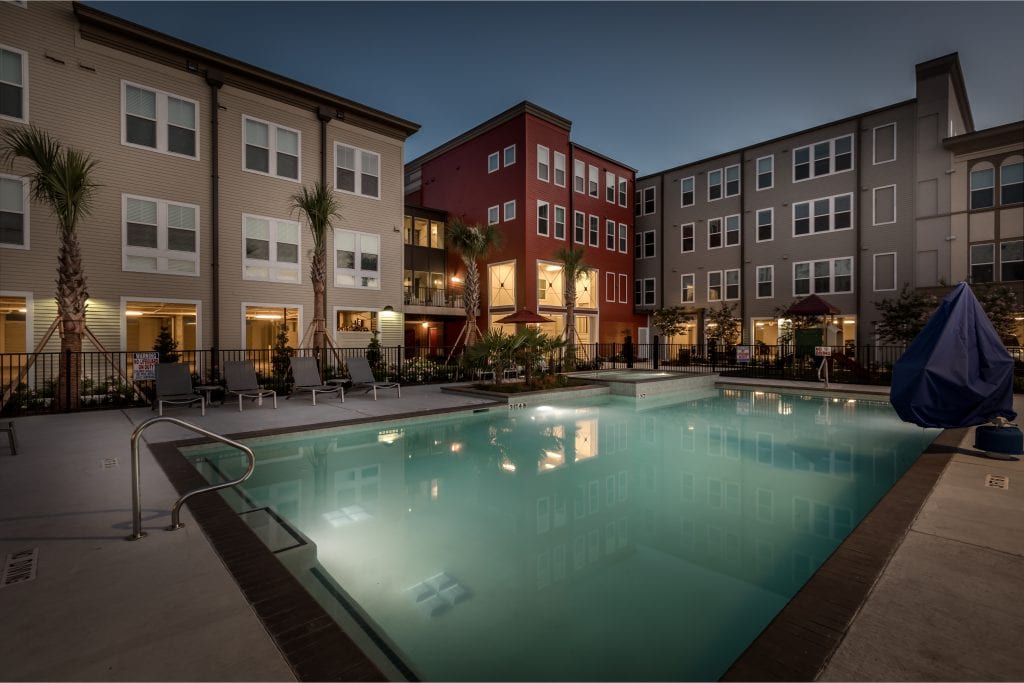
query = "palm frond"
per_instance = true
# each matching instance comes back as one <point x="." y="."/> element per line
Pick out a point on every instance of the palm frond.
<point x="318" y="205"/>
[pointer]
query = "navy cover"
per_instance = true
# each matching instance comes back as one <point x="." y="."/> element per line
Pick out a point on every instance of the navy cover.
<point x="956" y="372"/>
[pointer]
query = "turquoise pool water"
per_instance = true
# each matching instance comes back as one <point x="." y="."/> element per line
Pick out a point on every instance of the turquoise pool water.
<point x="598" y="541"/>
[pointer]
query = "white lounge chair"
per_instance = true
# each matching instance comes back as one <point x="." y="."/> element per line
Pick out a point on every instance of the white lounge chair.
<point x="362" y="376"/>
<point x="241" y="380"/>
<point x="307" y="378"/>
<point x="174" y="385"/>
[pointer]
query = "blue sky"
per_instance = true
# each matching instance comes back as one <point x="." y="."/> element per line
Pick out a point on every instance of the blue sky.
<point x="651" y="84"/>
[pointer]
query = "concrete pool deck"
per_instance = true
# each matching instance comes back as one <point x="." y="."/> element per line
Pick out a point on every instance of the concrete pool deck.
<point x="946" y="605"/>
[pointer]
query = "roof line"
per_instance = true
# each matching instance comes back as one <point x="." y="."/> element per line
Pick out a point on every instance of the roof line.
<point x="602" y="156"/>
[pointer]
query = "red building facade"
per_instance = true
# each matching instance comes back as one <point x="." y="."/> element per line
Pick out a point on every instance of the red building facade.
<point x="521" y="172"/>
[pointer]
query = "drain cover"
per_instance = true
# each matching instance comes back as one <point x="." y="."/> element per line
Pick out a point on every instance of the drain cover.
<point x="19" y="567"/>
<point x="997" y="481"/>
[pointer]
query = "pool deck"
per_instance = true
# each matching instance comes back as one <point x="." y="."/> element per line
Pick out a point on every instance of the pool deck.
<point x="945" y="607"/>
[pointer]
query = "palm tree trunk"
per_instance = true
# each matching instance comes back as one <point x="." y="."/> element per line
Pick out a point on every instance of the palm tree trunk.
<point x="471" y="299"/>
<point x="71" y="298"/>
<point x="319" y="277"/>
<point x="570" y="324"/>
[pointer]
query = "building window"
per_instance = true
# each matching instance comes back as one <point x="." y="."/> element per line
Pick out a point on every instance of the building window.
<point x="650" y="248"/>
<point x="1011" y="179"/>
<point x="883" y="202"/>
<point x="643" y="292"/>
<point x="823" y="158"/>
<point x="609" y="187"/>
<point x="1011" y="261"/>
<point x="543" y="163"/>
<point x="609" y="287"/>
<point x="271" y="149"/>
<point x="884" y="147"/>
<point x="579" y="170"/>
<point x="732" y="230"/>
<point x="983" y="188"/>
<point x="160" y="121"/>
<point x="715" y="285"/>
<point x="510" y="210"/>
<point x="550" y="285"/>
<point x="492" y="215"/>
<point x="542" y="218"/>
<point x="160" y="236"/>
<point x="623" y="288"/>
<point x="502" y="287"/>
<point x="592" y="182"/>
<point x="765" y="221"/>
<point x="623" y="239"/>
<point x="623" y="192"/>
<point x="271" y="249"/>
<point x="510" y="155"/>
<point x="13" y="84"/>
<point x="579" y="227"/>
<point x="595" y="236"/>
<point x="356" y="259"/>
<point x="732" y="180"/>
<point x="686" y="238"/>
<point x="715" y="233"/>
<point x="559" y="169"/>
<point x="884" y="272"/>
<point x="493" y="162"/>
<point x="983" y="257"/>
<point x="766" y="172"/>
<point x="714" y="185"/>
<point x="609" y="235"/>
<point x="686" y="192"/>
<point x="357" y="171"/>
<point x="829" y="213"/>
<point x="765" y="282"/>
<point x="14" y="203"/>
<point x="732" y="285"/>
<point x="559" y="222"/>
<point x="828" y="276"/>
<point x="687" y="288"/>
<point x="645" y="201"/>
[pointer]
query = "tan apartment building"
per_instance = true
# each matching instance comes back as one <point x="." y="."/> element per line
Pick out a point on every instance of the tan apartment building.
<point x="197" y="156"/>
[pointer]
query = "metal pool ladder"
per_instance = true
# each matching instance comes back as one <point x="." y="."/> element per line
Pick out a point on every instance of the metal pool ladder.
<point x="137" y="531"/>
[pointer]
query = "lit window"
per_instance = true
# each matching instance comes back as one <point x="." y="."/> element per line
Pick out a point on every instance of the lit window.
<point x="983" y="188"/>
<point x="14" y="203"/>
<point x="502" y="284"/>
<point x="543" y="163"/>
<point x="356" y="259"/>
<point x="686" y="192"/>
<point x="493" y="162"/>
<point x="559" y="169"/>
<point x="160" y="236"/>
<point x="160" y="121"/>
<point x="765" y="220"/>
<point x="686" y="238"/>
<point x="271" y="149"/>
<point x="357" y="171"/>
<point x="766" y="172"/>
<point x="550" y="287"/>
<point x="271" y="249"/>
<point x="687" y="288"/>
<point x="765" y="282"/>
<point x="13" y="80"/>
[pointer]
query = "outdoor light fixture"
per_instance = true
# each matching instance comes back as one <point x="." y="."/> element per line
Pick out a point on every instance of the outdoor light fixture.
<point x="388" y="309"/>
<point x="264" y="316"/>
<point x="133" y="314"/>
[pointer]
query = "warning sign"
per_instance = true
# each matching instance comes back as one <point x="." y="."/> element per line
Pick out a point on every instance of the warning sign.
<point x="144" y="365"/>
<point x="742" y="354"/>
<point x="823" y="351"/>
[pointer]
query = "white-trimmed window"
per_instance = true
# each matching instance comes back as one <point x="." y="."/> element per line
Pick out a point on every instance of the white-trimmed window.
<point x="884" y="272"/>
<point x="823" y="158"/>
<point x="883" y="205"/>
<point x="595" y="231"/>
<point x="579" y="227"/>
<point x="13" y="84"/>
<point x="623" y="288"/>
<point x="356" y="171"/>
<point x="687" y="288"/>
<point x="271" y="249"/>
<point x="609" y="287"/>
<point x="510" y="155"/>
<point x="687" y="239"/>
<point x="732" y="180"/>
<point x="765" y="282"/>
<point x="592" y="180"/>
<point x="559" y="223"/>
<point x="766" y="172"/>
<point x="1011" y="261"/>
<point x="623" y="239"/>
<point x="493" y="215"/>
<point x="823" y="215"/>
<point x="715" y="233"/>
<point x="650" y="244"/>
<point x="983" y="186"/>
<point x="983" y="263"/>
<point x="643" y="292"/>
<point x="270" y="149"/>
<point x="884" y="144"/>
<point x="732" y="230"/>
<point x="609" y="187"/>
<point x="714" y="185"/>
<point x="543" y="163"/>
<point x="623" y="191"/>
<point x="509" y="210"/>
<point x="765" y="225"/>
<point x="715" y="285"/>
<point x="732" y="284"/>
<point x="14" y="205"/>
<point x="158" y="120"/>
<point x="1011" y="183"/>
<point x="543" y="217"/>
<point x="828" y="276"/>
<point x="686" y="191"/>
<point x="356" y="259"/>
<point x="159" y="236"/>
<point x="501" y="290"/>
<point x="493" y="162"/>
<point x="609" y="235"/>
<point x="645" y="201"/>
<point x="579" y="180"/>
<point x="559" y="169"/>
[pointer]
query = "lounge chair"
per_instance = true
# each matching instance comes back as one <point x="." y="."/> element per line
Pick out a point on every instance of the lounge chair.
<point x="174" y="385"/>
<point x="362" y="376"/>
<point x="307" y="378"/>
<point x="241" y="380"/>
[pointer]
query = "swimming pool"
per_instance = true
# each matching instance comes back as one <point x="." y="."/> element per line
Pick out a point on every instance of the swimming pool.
<point x="600" y="541"/>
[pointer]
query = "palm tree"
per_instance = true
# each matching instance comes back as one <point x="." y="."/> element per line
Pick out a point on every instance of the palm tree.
<point x="471" y="243"/>
<point x="61" y="178"/>
<point x="318" y="205"/>
<point x="572" y="268"/>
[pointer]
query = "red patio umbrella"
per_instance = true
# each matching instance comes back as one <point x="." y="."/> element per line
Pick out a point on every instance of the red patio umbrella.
<point x="524" y="315"/>
<point x="812" y="305"/>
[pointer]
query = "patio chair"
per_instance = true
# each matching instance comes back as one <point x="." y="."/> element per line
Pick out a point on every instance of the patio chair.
<point x="174" y="385"/>
<point x="307" y="378"/>
<point x="241" y="380"/>
<point x="362" y="376"/>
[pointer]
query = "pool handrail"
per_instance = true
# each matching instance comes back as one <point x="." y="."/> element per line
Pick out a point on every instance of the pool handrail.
<point x="137" y="532"/>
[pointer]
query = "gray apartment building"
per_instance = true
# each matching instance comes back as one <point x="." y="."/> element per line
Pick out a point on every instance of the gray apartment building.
<point x="850" y="210"/>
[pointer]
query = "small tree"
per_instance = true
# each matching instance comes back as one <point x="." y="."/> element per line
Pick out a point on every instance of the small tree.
<point x="724" y="328"/>
<point x="791" y="323"/>
<point x="1001" y="306"/>
<point x="572" y="267"/>
<point x="373" y="352"/>
<point x="471" y="243"/>
<point x="671" y="320"/>
<point x="281" y="352"/>
<point x="319" y="206"/>
<point x="166" y="344"/>
<point x="905" y="315"/>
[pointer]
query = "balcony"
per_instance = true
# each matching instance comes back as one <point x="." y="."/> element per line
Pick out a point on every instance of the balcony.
<point x="448" y="298"/>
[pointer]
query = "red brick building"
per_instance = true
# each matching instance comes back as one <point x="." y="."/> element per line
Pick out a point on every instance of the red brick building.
<point x="520" y="171"/>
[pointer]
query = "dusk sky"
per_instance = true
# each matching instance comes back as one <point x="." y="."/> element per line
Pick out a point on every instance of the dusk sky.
<point x="653" y="85"/>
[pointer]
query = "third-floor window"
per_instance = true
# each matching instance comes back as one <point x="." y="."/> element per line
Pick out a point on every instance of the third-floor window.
<point x="271" y="149"/>
<point x="823" y="158"/>
<point x="357" y="171"/>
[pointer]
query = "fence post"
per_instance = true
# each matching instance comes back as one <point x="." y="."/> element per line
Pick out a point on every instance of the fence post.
<point x="656" y="351"/>
<point x="67" y="383"/>
<point x="398" y="369"/>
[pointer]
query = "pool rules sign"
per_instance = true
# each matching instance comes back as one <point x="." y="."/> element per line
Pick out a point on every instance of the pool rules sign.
<point x="144" y="365"/>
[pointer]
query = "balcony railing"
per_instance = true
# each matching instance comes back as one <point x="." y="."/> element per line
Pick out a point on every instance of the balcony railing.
<point x="445" y="297"/>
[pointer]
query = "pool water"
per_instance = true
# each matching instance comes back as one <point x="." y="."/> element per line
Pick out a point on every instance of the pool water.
<point x="583" y="541"/>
